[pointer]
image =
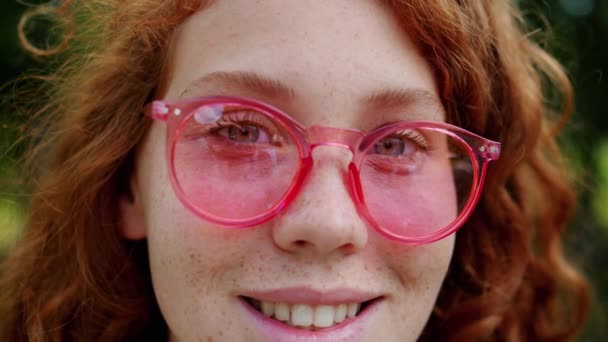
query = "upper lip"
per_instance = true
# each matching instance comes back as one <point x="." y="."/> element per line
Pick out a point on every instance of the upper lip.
<point x="306" y="295"/>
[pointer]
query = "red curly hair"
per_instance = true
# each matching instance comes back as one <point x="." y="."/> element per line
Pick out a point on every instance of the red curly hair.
<point x="72" y="277"/>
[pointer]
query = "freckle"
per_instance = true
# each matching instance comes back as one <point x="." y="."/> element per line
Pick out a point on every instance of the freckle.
<point x="221" y="333"/>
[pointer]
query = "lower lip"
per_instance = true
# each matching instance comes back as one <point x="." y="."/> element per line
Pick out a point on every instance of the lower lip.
<point x="349" y="330"/>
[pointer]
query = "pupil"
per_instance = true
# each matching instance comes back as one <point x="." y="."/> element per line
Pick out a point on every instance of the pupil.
<point x="390" y="146"/>
<point x="247" y="133"/>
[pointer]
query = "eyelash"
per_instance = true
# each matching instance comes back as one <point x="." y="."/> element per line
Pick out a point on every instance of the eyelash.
<point x="417" y="138"/>
<point x="239" y="118"/>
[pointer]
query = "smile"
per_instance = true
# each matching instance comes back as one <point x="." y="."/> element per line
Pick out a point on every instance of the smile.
<point x="308" y="317"/>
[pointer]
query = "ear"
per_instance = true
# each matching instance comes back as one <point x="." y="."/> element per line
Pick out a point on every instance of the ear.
<point x="132" y="220"/>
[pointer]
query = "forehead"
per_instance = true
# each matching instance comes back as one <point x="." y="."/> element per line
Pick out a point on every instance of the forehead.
<point x="329" y="51"/>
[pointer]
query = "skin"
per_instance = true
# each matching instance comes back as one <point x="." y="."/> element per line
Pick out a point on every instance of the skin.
<point x="331" y="53"/>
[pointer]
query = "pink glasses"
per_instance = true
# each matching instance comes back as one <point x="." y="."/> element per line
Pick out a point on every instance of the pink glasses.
<point x="238" y="162"/>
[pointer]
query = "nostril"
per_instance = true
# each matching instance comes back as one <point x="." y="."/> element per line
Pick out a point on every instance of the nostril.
<point x="348" y="248"/>
<point x="300" y="243"/>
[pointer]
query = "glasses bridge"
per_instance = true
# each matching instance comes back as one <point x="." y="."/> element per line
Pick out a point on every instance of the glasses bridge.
<point x="333" y="136"/>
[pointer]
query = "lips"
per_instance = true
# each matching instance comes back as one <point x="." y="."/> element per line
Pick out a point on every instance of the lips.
<point x="310" y="310"/>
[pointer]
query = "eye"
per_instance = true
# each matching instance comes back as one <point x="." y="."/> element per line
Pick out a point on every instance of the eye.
<point x="247" y="127"/>
<point x="404" y="143"/>
<point x="244" y="133"/>
<point x="391" y="146"/>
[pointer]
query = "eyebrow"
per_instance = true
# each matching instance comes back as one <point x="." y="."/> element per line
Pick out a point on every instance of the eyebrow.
<point x="242" y="80"/>
<point x="251" y="82"/>
<point x="400" y="97"/>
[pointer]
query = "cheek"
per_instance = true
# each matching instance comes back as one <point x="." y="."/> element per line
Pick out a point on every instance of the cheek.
<point x="421" y="270"/>
<point x="188" y="263"/>
<point x="187" y="253"/>
<point x="426" y="265"/>
<point x="414" y="205"/>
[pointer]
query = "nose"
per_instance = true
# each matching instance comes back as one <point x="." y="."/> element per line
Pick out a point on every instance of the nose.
<point x="323" y="219"/>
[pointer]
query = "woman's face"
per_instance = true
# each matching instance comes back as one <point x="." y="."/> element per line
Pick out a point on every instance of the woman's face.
<point x="317" y="258"/>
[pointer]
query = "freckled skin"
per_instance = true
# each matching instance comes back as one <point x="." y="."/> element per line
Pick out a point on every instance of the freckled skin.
<point x="198" y="269"/>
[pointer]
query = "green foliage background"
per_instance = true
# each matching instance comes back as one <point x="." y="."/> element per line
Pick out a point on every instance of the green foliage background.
<point x="576" y="31"/>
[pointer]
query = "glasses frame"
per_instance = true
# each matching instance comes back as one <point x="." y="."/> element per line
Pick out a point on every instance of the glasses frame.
<point x="175" y="114"/>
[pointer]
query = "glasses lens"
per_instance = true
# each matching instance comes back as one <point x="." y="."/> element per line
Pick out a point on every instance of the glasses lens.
<point x="233" y="162"/>
<point x="415" y="182"/>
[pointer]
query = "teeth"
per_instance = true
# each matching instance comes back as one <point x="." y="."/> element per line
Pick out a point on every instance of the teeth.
<point x="281" y="312"/>
<point x="302" y="315"/>
<point x="340" y="314"/>
<point x="351" y="310"/>
<point x="268" y="308"/>
<point x="307" y="316"/>
<point x="324" y="316"/>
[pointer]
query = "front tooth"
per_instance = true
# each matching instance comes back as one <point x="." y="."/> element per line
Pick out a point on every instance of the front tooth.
<point x="324" y="316"/>
<point x="340" y="314"/>
<point x="352" y="309"/>
<point x="281" y="312"/>
<point x="268" y="308"/>
<point x="301" y="315"/>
